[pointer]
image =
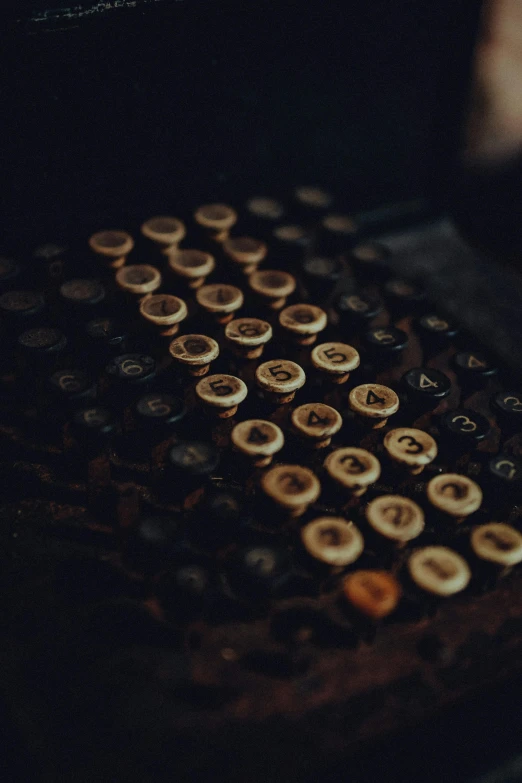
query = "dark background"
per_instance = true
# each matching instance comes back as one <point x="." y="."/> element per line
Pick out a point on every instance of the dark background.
<point x="110" y="116"/>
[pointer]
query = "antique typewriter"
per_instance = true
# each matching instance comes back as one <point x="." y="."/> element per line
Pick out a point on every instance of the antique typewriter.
<point x="261" y="490"/>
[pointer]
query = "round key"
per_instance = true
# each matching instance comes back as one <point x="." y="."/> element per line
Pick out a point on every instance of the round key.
<point x="21" y="307"/>
<point x="259" y="569"/>
<point x="321" y="275"/>
<point x="193" y="266"/>
<point x="82" y="294"/>
<point x="410" y="448"/>
<point x="158" y="411"/>
<point x="376" y="594"/>
<point x="264" y="212"/>
<point x="138" y="279"/>
<point x="464" y="428"/>
<point x="106" y="337"/>
<point x="385" y="343"/>
<point x="42" y="343"/>
<point x="9" y="272"/>
<point x="335" y="360"/>
<point x="132" y="368"/>
<point x="395" y="517"/>
<point x="337" y="232"/>
<point x="194" y="459"/>
<point x="356" y="309"/>
<point x="404" y="295"/>
<point x="248" y="336"/>
<point x="216" y="219"/>
<point x="49" y="261"/>
<point x="93" y="424"/>
<point x="246" y="252"/>
<point x="312" y="198"/>
<point x="426" y="386"/>
<point x="222" y="393"/>
<point x="316" y="423"/>
<point x="272" y="286"/>
<point x="353" y="469"/>
<point x="164" y="231"/>
<point x="220" y="300"/>
<point x="507" y="406"/>
<point x="279" y="379"/>
<point x="164" y="311"/>
<point x="291" y="487"/>
<point x="455" y="495"/>
<point x="258" y="439"/>
<point x="436" y="330"/>
<point x="290" y="242"/>
<point x="303" y="322"/>
<point x="72" y="385"/>
<point x="439" y="570"/>
<point x="506" y="471"/>
<point x="334" y="541"/>
<point x="373" y="403"/>
<point x="371" y="260"/>
<point x="112" y="246"/>
<point x="473" y="368"/>
<point x="497" y="543"/>
<point x="195" y="352"/>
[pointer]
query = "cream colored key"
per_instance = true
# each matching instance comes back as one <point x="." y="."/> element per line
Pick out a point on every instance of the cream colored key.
<point x="112" y="246"/>
<point x="497" y="543"/>
<point x="439" y="570"/>
<point x="138" y="279"/>
<point x="195" y="352"/>
<point x="334" y="541"/>
<point x="193" y="266"/>
<point x="164" y="311"/>
<point x="272" y="286"/>
<point x="216" y="219"/>
<point x="220" y="300"/>
<point x="222" y="393"/>
<point x="353" y="469"/>
<point x="335" y="360"/>
<point x="313" y="196"/>
<point x="303" y="322"/>
<point x="279" y="379"/>
<point x="165" y="231"/>
<point x="247" y="337"/>
<point x="258" y="439"/>
<point x="316" y="423"/>
<point x="395" y="517"/>
<point x="373" y="403"/>
<point x="246" y="252"/>
<point x="291" y="487"/>
<point x="263" y="207"/>
<point x="343" y="226"/>
<point x="411" y="448"/>
<point x="454" y="494"/>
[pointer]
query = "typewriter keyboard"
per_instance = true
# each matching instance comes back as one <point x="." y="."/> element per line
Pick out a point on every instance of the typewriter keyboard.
<point x="240" y="438"/>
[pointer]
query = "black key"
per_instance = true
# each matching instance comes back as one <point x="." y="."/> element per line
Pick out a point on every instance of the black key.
<point x="321" y="275"/>
<point x="337" y="233"/>
<point x="86" y="444"/>
<point x="105" y="337"/>
<point x="404" y="296"/>
<point x="80" y="298"/>
<point x="507" y="406"/>
<point x="131" y="369"/>
<point x="385" y="343"/>
<point x="371" y="261"/>
<point x="20" y="309"/>
<point x="311" y="201"/>
<point x="191" y="463"/>
<point x="219" y="515"/>
<point x="72" y="387"/>
<point x="259" y="570"/>
<point x="435" y="331"/>
<point x="186" y="589"/>
<point x="154" y="542"/>
<point x="49" y="263"/>
<point x="356" y="309"/>
<point x="504" y="479"/>
<point x="93" y="426"/>
<point x="426" y="386"/>
<point x="463" y="428"/>
<point x="157" y="412"/>
<point x="473" y="369"/>
<point x="41" y="347"/>
<point x="262" y="214"/>
<point x="10" y="272"/>
<point x="289" y="244"/>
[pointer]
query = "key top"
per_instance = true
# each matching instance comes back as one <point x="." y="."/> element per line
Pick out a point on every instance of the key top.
<point x="279" y="379"/>
<point x="455" y="495"/>
<point x="303" y="322"/>
<point x="222" y="394"/>
<point x="247" y="337"/>
<point x="357" y="309"/>
<point x="385" y="343"/>
<point x="353" y="469"/>
<point x="425" y="387"/>
<point x="21" y="309"/>
<point x="507" y="406"/>
<point x="496" y="542"/>
<point x="410" y="448"/>
<point x="337" y="233"/>
<point x="375" y="594"/>
<point x="272" y="287"/>
<point x="289" y="244"/>
<point x="311" y="200"/>
<point x="112" y="247"/>
<point x="439" y="570"/>
<point x="220" y="300"/>
<point x="138" y="280"/>
<point x="404" y="296"/>
<point x="165" y="312"/>
<point x="105" y="337"/>
<point x="332" y="541"/>
<point x="335" y="361"/>
<point x="191" y="266"/>
<point x="316" y="423"/>
<point x="195" y="352"/>
<point x="262" y="215"/>
<point x="258" y="439"/>
<point x="395" y="517"/>
<point x="81" y="299"/>
<point x="190" y="466"/>
<point x="166" y="232"/>
<point x="473" y="369"/>
<point x="291" y="487"/>
<point x="373" y="404"/>
<point x="371" y="261"/>
<point x="463" y="428"/>
<point x="435" y="332"/>
<point x="321" y="275"/>
<point x="246" y="253"/>
<point x="216" y="220"/>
